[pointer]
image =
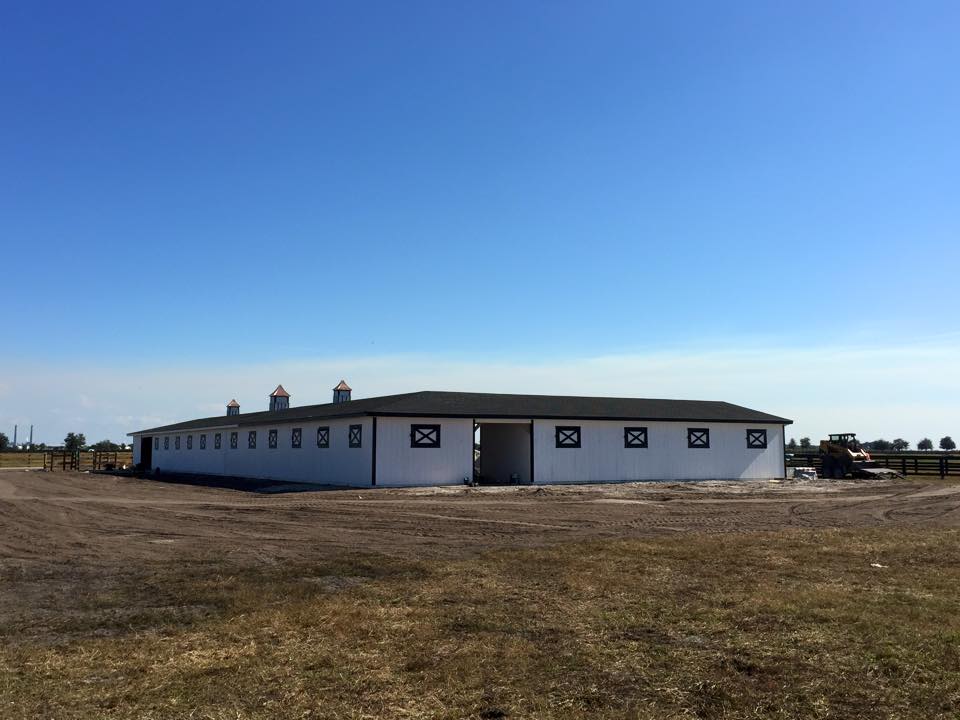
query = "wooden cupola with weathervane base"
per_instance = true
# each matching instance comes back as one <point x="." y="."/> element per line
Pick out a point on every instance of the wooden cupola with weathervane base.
<point x="279" y="399"/>
<point x="233" y="408"/>
<point x="341" y="393"/>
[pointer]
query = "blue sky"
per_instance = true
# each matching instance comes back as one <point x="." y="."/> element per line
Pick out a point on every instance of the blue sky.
<point x="492" y="190"/>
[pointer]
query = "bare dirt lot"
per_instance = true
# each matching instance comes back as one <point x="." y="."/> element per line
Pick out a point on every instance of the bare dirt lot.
<point x="106" y="520"/>
<point x="125" y="597"/>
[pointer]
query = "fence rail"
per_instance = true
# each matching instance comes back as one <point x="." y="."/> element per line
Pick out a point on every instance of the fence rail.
<point x="65" y="460"/>
<point x="942" y="464"/>
<point x="21" y="459"/>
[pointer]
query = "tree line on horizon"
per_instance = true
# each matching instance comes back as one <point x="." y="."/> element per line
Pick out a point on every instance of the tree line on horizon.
<point x="72" y="443"/>
<point x="897" y="445"/>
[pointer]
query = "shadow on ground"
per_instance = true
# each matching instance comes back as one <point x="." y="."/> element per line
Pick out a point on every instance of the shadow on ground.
<point x="242" y="484"/>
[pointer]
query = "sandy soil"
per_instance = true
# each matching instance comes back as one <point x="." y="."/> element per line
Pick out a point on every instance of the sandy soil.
<point x="63" y="536"/>
<point x="103" y="519"/>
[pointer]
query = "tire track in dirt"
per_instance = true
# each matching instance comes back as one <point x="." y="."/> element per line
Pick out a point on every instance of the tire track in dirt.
<point x="71" y="515"/>
<point x="63" y="535"/>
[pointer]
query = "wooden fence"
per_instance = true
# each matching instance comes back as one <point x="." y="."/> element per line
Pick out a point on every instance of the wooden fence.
<point x="942" y="464"/>
<point x="21" y="460"/>
<point x="64" y="460"/>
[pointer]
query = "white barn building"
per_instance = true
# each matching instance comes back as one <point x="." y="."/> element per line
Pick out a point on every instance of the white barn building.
<point x="429" y="438"/>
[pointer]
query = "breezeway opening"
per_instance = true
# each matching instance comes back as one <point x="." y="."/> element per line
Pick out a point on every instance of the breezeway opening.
<point x="503" y="452"/>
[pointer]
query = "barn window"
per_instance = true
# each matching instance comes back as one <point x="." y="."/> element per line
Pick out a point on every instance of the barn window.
<point x="216" y="441"/>
<point x="166" y="443"/>
<point x="698" y="437"/>
<point x="295" y="435"/>
<point x="252" y="440"/>
<point x="424" y="436"/>
<point x="355" y="436"/>
<point x="634" y="437"/>
<point x="156" y="443"/>
<point x="189" y="442"/>
<point x="176" y="443"/>
<point x="757" y="439"/>
<point x="323" y="437"/>
<point x="203" y="441"/>
<point x="234" y="440"/>
<point x="568" y="436"/>
<point x="272" y="439"/>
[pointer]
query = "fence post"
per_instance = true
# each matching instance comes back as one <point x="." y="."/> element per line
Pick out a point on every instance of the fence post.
<point x="940" y="463"/>
<point x="904" y="466"/>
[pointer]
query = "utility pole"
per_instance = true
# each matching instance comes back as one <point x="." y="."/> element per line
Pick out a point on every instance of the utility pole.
<point x="14" y="436"/>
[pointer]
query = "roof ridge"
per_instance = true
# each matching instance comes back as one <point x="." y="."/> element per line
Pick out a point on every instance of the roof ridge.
<point x="443" y="403"/>
<point x="576" y="397"/>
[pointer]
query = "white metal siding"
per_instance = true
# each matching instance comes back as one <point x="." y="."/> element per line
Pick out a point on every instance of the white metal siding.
<point x="399" y="464"/>
<point x="337" y="465"/>
<point x="602" y="457"/>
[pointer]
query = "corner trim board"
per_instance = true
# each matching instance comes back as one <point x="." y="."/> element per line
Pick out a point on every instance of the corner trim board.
<point x="533" y="477"/>
<point x="373" y="463"/>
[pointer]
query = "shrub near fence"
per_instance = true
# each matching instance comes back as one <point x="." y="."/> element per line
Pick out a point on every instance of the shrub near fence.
<point x="926" y="463"/>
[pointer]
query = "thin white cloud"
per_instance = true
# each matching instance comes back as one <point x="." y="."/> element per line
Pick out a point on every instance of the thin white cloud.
<point x="910" y="391"/>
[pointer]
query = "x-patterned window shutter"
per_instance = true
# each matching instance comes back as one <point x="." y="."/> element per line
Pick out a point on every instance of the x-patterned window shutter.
<point x="635" y="437"/>
<point x="355" y="436"/>
<point x="757" y="439"/>
<point x="424" y="436"/>
<point x="568" y="436"/>
<point x="698" y="437"/>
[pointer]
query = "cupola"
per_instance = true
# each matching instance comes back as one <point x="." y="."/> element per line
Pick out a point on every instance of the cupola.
<point x="341" y="393"/>
<point x="279" y="399"/>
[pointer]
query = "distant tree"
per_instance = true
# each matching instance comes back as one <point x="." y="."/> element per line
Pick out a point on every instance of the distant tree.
<point x="105" y="445"/>
<point x="805" y="443"/>
<point x="4" y="441"/>
<point x="74" y="441"/>
<point x="792" y="445"/>
<point x="880" y="445"/>
<point x="947" y="443"/>
<point x="925" y="444"/>
<point x="899" y="445"/>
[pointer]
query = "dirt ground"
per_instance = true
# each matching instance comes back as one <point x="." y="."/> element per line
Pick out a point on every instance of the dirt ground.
<point x="133" y="598"/>
<point x="81" y="518"/>
<point x="62" y="533"/>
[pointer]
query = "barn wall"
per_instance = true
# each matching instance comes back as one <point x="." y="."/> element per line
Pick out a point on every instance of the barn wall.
<point x="399" y="464"/>
<point x="337" y="465"/>
<point x="603" y="458"/>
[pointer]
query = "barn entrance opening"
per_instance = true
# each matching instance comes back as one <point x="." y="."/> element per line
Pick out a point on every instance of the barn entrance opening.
<point x="502" y="452"/>
<point x="146" y="452"/>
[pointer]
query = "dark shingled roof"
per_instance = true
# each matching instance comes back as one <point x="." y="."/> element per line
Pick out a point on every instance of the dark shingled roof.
<point x="491" y="405"/>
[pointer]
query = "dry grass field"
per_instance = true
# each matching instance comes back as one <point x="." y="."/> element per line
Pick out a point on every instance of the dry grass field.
<point x="126" y="598"/>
